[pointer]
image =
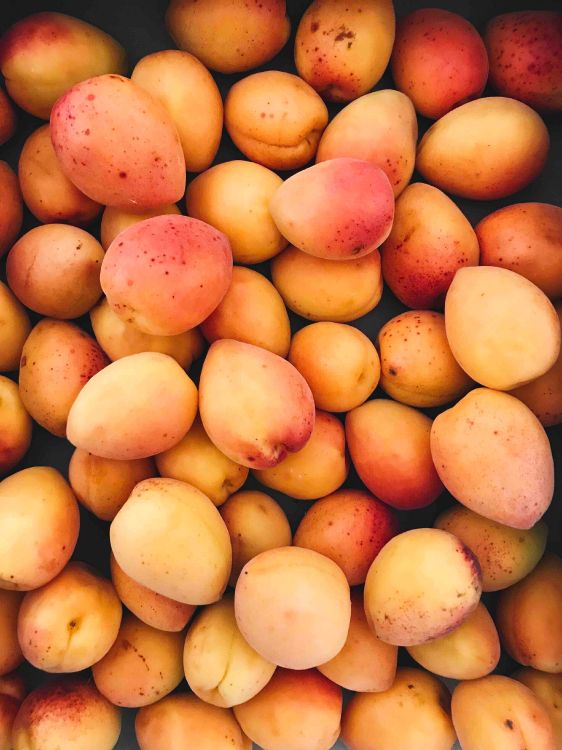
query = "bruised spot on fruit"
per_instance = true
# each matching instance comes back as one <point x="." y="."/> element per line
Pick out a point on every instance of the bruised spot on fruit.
<point x="509" y="724"/>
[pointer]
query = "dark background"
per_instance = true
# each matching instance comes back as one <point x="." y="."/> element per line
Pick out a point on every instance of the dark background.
<point x="139" y="26"/>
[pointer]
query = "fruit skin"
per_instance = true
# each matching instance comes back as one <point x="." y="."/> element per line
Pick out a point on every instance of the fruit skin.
<point x="44" y="54"/>
<point x="94" y="120"/>
<point x="548" y="689"/>
<point x="9" y="707"/>
<point x="439" y="60"/>
<point x="14" y="329"/>
<point x="10" y="652"/>
<point x="524" y="62"/>
<point x="430" y="240"/>
<point x="40" y="518"/>
<point x="116" y="220"/>
<point x="529" y="617"/>
<point x="506" y="555"/>
<point x="413" y="713"/>
<point x="254" y="405"/>
<point x="501" y="466"/>
<point x="229" y="36"/>
<point x="389" y="447"/>
<point x="343" y="54"/>
<point x="8" y="123"/>
<point x="400" y="607"/>
<point x="294" y="116"/>
<point x="362" y="214"/>
<point x="15" y="426"/>
<point x="462" y="156"/>
<point x="295" y="711"/>
<point x="170" y="537"/>
<point x="292" y="606"/>
<point x="11" y="211"/>
<point x="502" y="329"/>
<point x="147" y="395"/>
<point x="509" y="716"/>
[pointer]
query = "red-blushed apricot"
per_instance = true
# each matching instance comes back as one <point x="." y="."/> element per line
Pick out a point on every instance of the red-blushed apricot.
<point x="68" y="712"/>
<point x="255" y="523"/>
<point x="142" y="666"/>
<point x="350" y="527"/>
<point x="166" y="274"/>
<point x="15" y="426"/>
<point x="430" y="240"/>
<point x="253" y="311"/>
<point x="185" y="86"/>
<point x="170" y="537"/>
<point x="116" y="220"/>
<point x="254" y="405"/>
<point x="7" y="121"/>
<point x="329" y="290"/>
<point x="295" y="711"/>
<point x="184" y="719"/>
<point x="136" y="407"/>
<point x="275" y="119"/>
<point x="548" y="689"/>
<point x="505" y="555"/>
<point x="360" y="218"/>
<point x="96" y="119"/>
<point x="234" y="197"/>
<point x="407" y="602"/>
<point x="39" y="516"/>
<point x="343" y="50"/>
<point x="293" y="607"/>
<point x="197" y="461"/>
<point x="155" y="610"/>
<point x="463" y="156"/>
<point x="54" y="270"/>
<point x="102" y="485"/>
<point x="14" y="329"/>
<point x="11" y="211"/>
<point x="381" y="128"/>
<point x="10" y="650"/>
<point x="500" y="713"/>
<point x="365" y="664"/>
<point x="57" y="360"/>
<point x="339" y="363"/>
<point x="439" y="60"/>
<point x="317" y="469"/>
<point x="417" y="365"/>
<point x="46" y="190"/>
<point x="230" y="36"/>
<point x="9" y="707"/>
<point x="71" y="622"/>
<point x="415" y="712"/>
<point x="501" y="466"/>
<point x="389" y="447"/>
<point x="525" y="238"/>
<point x="524" y="52"/>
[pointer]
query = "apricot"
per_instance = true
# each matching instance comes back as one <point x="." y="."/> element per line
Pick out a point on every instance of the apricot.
<point x="505" y="555"/>
<point x="185" y="86"/>
<point x="14" y="329"/>
<point x="501" y="466"/>
<point x="15" y="426"/>
<point x="40" y="521"/>
<point x="330" y="290"/>
<point x="548" y="689"/>
<point x="234" y="197"/>
<point x="381" y="128"/>
<point x="439" y="60"/>
<point x="295" y="711"/>
<point x="406" y="602"/>
<point x="10" y="650"/>
<point x="365" y="664"/>
<point x="166" y="274"/>
<point x="317" y="469"/>
<point x="430" y="240"/>
<point x="94" y="120"/>
<point x="275" y="119"/>
<point x="116" y="220"/>
<point x="462" y="155"/>
<point x="342" y="51"/>
<point x="170" y="538"/>
<point x="389" y="447"/>
<point x="9" y="707"/>
<point x="252" y="311"/>
<point x="360" y="220"/>
<point x="292" y="606"/>
<point x="47" y="191"/>
<point x="7" y="123"/>
<point x="350" y="527"/>
<point x="197" y="461"/>
<point x="254" y="405"/>
<point x="11" y="212"/>
<point x="54" y="270"/>
<point x="13" y="685"/>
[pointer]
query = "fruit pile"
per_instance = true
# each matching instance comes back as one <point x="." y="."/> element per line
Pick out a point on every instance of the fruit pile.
<point x="269" y="542"/>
